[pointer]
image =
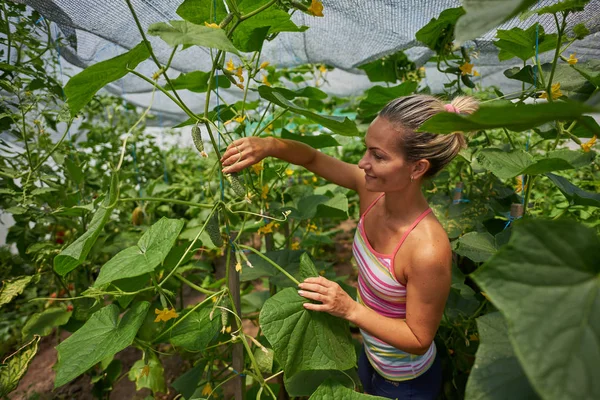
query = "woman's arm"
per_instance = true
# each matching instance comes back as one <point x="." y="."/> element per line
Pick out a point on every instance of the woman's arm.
<point x="427" y="290"/>
<point x="245" y="152"/>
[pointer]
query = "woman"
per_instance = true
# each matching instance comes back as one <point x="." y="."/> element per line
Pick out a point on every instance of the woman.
<point x="402" y="250"/>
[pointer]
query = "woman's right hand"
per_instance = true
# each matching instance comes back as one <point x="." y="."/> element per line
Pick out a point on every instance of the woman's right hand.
<point x="244" y="152"/>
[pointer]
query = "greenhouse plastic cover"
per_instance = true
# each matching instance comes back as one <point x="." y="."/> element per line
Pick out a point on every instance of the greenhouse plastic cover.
<point x="351" y="33"/>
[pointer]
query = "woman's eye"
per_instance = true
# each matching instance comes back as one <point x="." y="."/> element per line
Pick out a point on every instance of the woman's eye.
<point x="377" y="156"/>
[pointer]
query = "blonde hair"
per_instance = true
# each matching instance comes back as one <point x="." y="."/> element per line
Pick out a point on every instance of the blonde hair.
<point x="410" y="112"/>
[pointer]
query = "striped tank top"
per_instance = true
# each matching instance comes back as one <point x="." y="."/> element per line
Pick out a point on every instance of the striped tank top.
<point x="379" y="290"/>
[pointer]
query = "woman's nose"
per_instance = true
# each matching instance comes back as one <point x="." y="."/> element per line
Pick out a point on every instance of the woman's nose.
<point x="362" y="164"/>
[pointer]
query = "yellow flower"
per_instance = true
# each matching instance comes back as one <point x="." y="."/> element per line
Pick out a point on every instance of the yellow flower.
<point x="305" y="181"/>
<point x="265" y="80"/>
<point x="589" y="144"/>
<point x="475" y="73"/>
<point x="295" y="246"/>
<point x="206" y="390"/>
<point x="165" y="314"/>
<point x="264" y="64"/>
<point x="572" y="60"/>
<point x="316" y="8"/>
<point x="466" y="68"/>
<point x="212" y="25"/>
<point x="240" y="86"/>
<point x="145" y="371"/>
<point x="473" y="338"/>
<point x="240" y="119"/>
<point x="519" y="186"/>
<point x="238" y="267"/>
<point x="265" y="191"/>
<point x="238" y="73"/>
<point x="268" y="228"/>
<point x="228" y="329"/>
<point x="314" y="179"/>
<point x="289" y="172"/>
<point x="312" y="227"/>
<point x="230" y="66"/>
<point x="156" y="75"/>
<point x="556" y="93"/>
<point x="203" y="154"/>
<point x="323" y="68"/>
<point x="257" y="167"/>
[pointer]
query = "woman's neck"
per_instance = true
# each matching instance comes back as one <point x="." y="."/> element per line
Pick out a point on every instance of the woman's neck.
<point x="403" y="207"/>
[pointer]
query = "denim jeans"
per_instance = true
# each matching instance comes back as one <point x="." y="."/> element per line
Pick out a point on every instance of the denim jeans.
<point x="423" y="387"/>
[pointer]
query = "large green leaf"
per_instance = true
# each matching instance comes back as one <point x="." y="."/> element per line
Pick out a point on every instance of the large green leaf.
<point x="102" y="336"/>
<point x="305" y="383"/>
<point x="497" y="374"/>
<point x="196" y="331"/>
<point x="320" y="206"/>
<point x="582" y="129"/>
<point x="477" y="246"/>
<point x="287" y="259"/>
<point x="516" y="118"/>
<point x="197" y="81"/>
<point x="82" y="87"/>
<point x="340" y="125"/>
<point x="520" y="43"/>
<point x="68" y="259"/>
<point x="316" y="142"/>
<point x="506" y="165"/>
<point x="151" y="250"/>
<point x="148" y="374"/>
<point x="332" y="390"/>
<point x="305" y="340"/>
<point x="251" y="33"/>
<point x="201" y="11"/>
<point x="572" y="83"/>
<point x="438" y="32"/>
<point x="565" y="5"/>
<point x="545" y="282"/>
<point x="574" y="194"/>
<point x="379" y="96"/>
<point x="13" y="287"/>
<point x="187" y="384"/>
<point x="386" y="69"/>
<point x="590" y="70"/>
<point x="15" y="365"/>
<point x="483" y="16"/>
<point x="186" y="33"/>
<point x="43" y="323"/>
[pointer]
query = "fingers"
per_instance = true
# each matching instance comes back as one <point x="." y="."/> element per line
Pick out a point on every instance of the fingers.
<point x="312" y="295"/>
<point x="313" y="287"/>
<point x="237" y="167"/>
<point x="319" y="281"/>
<point x="315" y="307"/>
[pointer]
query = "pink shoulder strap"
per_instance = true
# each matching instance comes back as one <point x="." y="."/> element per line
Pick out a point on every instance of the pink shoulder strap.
<point x="409" y="230"/>
<point x="371" y="205"/>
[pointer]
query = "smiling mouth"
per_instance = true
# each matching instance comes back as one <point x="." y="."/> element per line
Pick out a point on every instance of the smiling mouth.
<point x="369" y="176"/>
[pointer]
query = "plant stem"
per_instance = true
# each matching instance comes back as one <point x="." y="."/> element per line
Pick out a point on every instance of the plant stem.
<point x="149" y="47"/>
<point x="260" y="9"/>
<point x="283" y="271"/>
<point x="512" y="144"/>
<point x="530" y="180"/>
<point x="194" y="286"/>
<point x="560" y="28"/>
<point x="53" y="148"/>
<point x="275" y="118"/>
<point x="172" y="201"/>
<point x="8" y="34"/>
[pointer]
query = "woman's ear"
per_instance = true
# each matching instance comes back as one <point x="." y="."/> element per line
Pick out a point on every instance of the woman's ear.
<point x="419" y="168"/>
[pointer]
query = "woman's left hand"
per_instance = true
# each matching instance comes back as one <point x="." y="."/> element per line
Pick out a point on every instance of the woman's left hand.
<point x="334" y="299"/>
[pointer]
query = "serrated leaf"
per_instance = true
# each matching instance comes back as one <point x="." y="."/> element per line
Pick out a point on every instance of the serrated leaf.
<point x="305" y="340"/>
<point x="185" y="33"/>
<point x="150" y="375"/>
<point x="197" y="82"/>
<point x="520" y="43"/>
<point x="379" y="96"/>
<point x="496" y="374"/>
<point x="43" y="323"/>
<point x="550" y="268"/>
<point x="12" y="288"/>
<point x="102" y="336"/>
<point x="440" y="31"/>
<point x="574" y="194"/>
<point x="331" y="390"/>
<point x="477" y="246"/>
<point x="316" y="142"/>
<point x="15" y="365"/>
<point x="81" y="88"/>
<point x="483" y="16"/>
<point x="68" y="259"/>
<point x="196" y="331"/>
<point x="151" y="250"/>
<point x="340" y="125"/>
<point x="516" y="118"/>
<point x="251" y="33"/>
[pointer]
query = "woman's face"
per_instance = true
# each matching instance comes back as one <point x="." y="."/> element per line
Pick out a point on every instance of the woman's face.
<point x="385" y="168"/>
